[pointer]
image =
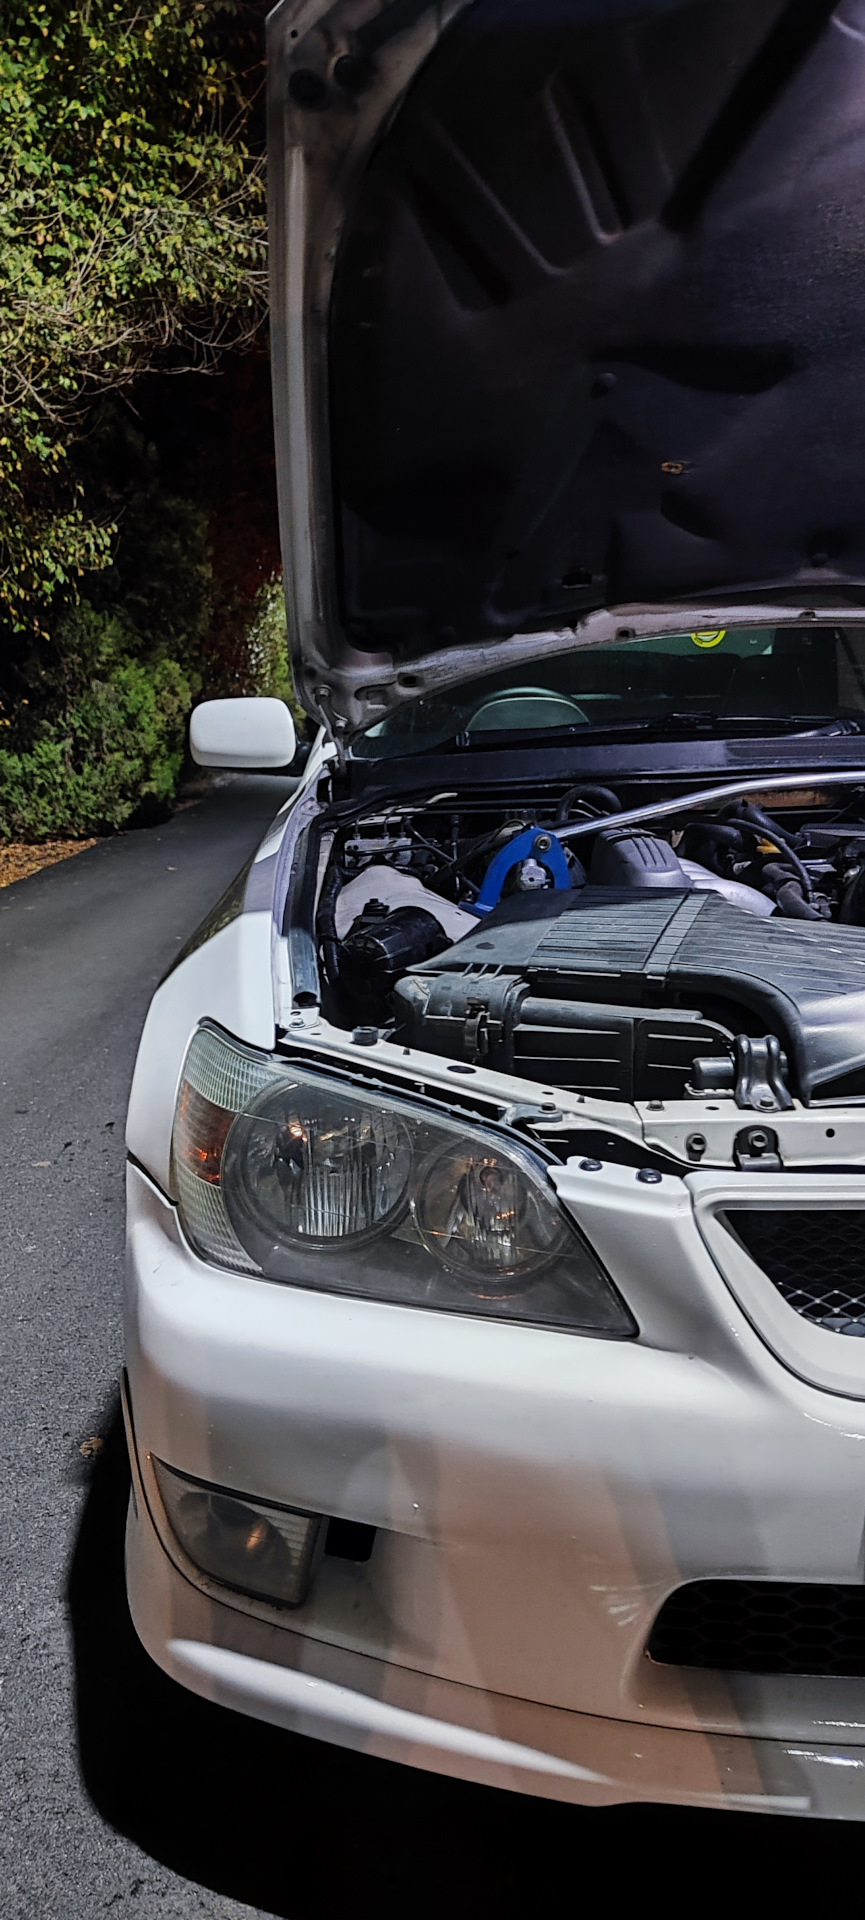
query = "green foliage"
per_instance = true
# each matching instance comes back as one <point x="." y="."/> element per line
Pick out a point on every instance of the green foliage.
<point x="159" y="578"/>
<point x="95" y="714"/>
<point x="268" y="664"/>
<point x="131" y="264"/>
<point x="137" y="537"/>
<point x="114" y="748"/>
<point x="131" y="236"/>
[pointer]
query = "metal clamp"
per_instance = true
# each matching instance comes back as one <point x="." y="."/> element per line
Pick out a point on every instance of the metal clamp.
<point x="760" y="1070"/>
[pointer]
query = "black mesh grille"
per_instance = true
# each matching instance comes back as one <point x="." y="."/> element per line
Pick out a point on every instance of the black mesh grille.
<point x="762" y="1626"/>
<point x="815" y="1258"/>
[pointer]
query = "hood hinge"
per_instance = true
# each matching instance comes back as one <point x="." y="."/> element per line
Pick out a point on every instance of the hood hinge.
<point x="335" y="724"/>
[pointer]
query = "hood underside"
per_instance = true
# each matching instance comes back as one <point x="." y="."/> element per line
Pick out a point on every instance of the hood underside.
<point x="567" y="302"/>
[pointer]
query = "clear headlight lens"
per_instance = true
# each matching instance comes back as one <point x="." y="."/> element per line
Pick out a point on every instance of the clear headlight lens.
<point x="288" y="1173"/>
<point x="318" y="1171"/>
<point x="484" y="1220"/>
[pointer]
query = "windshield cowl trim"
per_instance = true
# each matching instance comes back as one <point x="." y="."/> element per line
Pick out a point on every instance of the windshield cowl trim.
<point x="641" y="761"/>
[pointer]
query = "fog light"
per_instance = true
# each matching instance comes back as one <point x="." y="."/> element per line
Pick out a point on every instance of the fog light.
<point x="265" y="1551"/>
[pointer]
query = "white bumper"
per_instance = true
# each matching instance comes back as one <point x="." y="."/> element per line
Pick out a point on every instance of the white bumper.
<point x="537" y="1495"/>
<point x="378" y="1708"/>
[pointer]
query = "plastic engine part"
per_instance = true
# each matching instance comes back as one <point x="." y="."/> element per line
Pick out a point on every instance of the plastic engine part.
<point x="382" y="945"/>
<point x="623" y="857"/>
<point x="612" y="1052"/>
<point x="664" y="950"/>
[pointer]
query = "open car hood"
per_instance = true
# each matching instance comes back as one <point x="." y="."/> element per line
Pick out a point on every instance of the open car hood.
<point x="567" y="304"/>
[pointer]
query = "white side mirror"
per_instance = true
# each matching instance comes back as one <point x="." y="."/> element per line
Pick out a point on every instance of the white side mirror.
<point x="254" y="733"/>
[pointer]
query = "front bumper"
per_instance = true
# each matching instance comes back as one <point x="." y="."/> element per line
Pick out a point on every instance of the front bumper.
<point x="536" y="1495"/>
<point x="389" y="1712"/>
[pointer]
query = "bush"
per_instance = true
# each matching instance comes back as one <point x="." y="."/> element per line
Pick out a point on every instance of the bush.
<point x="113" y="751"/>
<point x="268" y="666"/>
<point x="131" y="237"/>
<point x="137" y="521"/>
<point x="137" y="490"/>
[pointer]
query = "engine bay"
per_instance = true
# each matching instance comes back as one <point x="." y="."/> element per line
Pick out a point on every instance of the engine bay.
<point x="704" y="950"/>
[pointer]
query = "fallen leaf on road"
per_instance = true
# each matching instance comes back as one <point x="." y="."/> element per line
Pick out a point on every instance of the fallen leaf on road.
<point x="91" y="1447"/>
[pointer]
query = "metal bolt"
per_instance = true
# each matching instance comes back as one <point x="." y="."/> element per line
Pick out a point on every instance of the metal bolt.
<point x="649" y="1176"/>
<point x="590" y="1166"/>
<point x="696" y="1145"/>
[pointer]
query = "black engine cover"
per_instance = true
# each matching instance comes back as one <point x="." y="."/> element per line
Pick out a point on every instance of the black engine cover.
<point x="649" y="961"/>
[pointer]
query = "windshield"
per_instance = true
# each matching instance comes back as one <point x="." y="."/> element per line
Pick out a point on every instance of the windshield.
<point x="724" y="680"/>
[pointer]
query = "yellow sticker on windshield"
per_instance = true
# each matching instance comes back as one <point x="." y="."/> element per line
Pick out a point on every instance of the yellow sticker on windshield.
<point x="709" y="637"/>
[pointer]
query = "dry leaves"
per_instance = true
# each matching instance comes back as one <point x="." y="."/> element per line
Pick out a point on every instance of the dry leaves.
<point x="17" y="861"/>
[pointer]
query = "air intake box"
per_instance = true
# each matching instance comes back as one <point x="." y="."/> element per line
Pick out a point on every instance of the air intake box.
<point x="615" y="1053"/>
<point x="605" y="991"/>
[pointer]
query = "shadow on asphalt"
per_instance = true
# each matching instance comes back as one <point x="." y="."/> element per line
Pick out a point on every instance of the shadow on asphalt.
<point x="307" y="1831"/>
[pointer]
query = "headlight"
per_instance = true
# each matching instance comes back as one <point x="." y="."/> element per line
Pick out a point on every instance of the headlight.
<point x="314" y="1181"/>
<point x="481" y="1216"/>
<point x="316" y="1169"/>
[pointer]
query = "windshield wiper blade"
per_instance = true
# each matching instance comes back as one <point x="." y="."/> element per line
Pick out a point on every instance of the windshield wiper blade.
<point x="767" y="724"/>
<point x="697" y="723"/>
<point x="711" y="721"/>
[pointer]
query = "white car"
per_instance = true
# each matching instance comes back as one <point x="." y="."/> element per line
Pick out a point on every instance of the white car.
<point x="496" y="1281"/>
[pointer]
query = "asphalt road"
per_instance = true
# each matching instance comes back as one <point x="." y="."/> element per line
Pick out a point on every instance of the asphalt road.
<point x="121" y="1793"/>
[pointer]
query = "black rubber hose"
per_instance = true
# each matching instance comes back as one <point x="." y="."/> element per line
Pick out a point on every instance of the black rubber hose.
<point x="759" y="822"/>
<point x="749" y="812"/>
<point x="786" y="889"/>
<point x="485" y="845"/>
<point x="327" y="923"/>
<point x="594" y="796"/>
<point x="726" y="836"/>
<point x="792" y="905"/>
<point x="791" y="859"/>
